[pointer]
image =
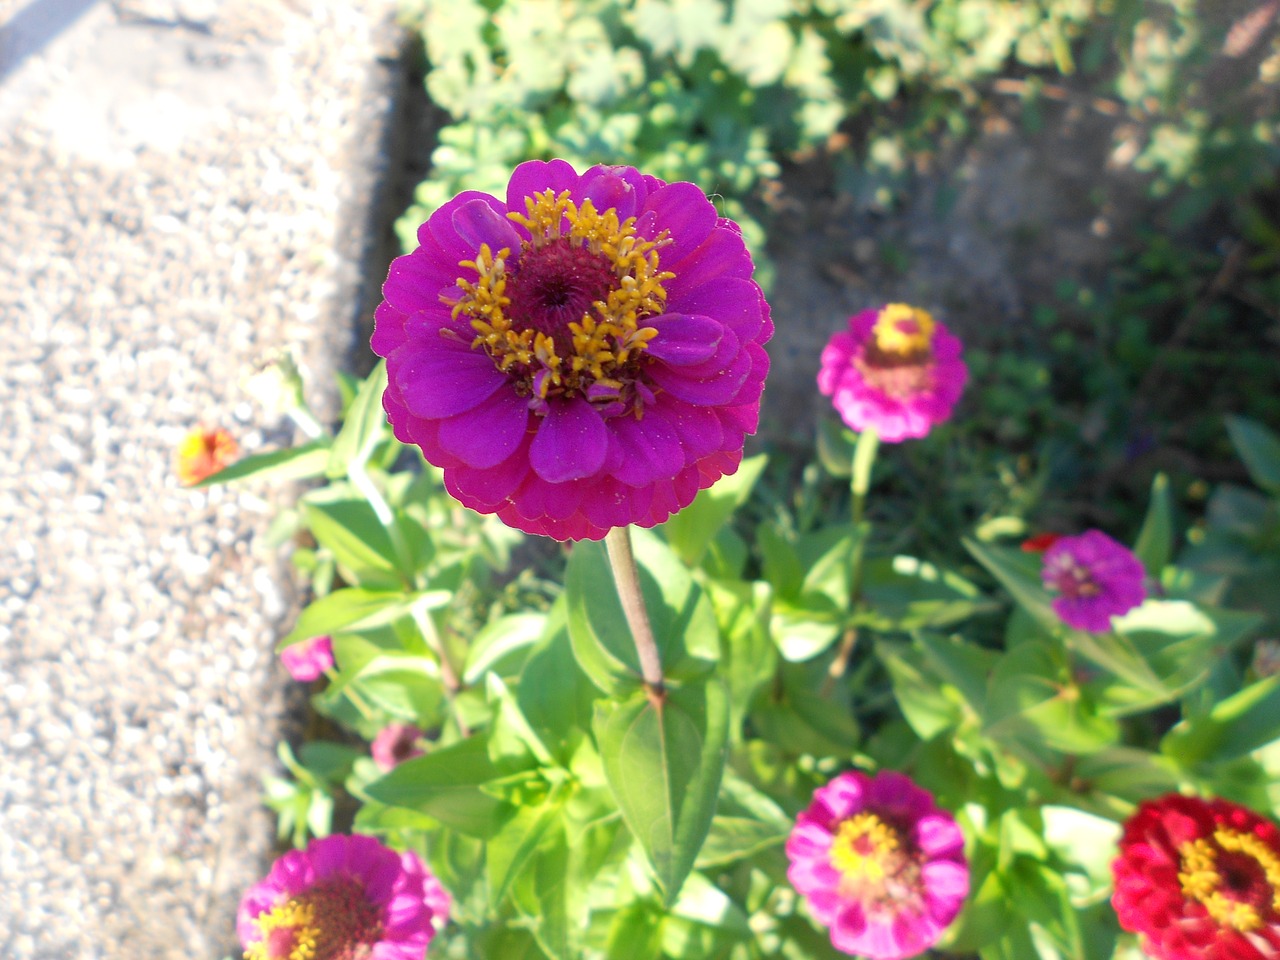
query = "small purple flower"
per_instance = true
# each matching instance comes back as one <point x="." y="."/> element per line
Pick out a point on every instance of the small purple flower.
<point x="879" y="864"/>
<point x="308" y="660"/>
<point x="1095" y="578"/>
<point x="394" y="744"/>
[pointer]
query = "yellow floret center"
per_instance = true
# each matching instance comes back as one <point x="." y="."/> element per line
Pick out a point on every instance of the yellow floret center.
<point x="1204" y="877"/>
<point x="903" y="330"/>
<point x="865" y="849"/>
<point x="291" y="919"/>
<point x="331" y="921"/>
<point x="595" y="257"/>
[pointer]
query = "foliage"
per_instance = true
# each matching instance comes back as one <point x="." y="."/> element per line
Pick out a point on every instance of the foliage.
<point x="571" y="814"/>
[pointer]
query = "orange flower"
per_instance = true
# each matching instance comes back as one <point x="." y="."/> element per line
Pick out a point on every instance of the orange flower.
<point x="203" y="452"/>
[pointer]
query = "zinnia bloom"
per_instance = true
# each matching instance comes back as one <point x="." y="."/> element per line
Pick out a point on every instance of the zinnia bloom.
<point x="203" y="452"/>
<point x="879" y="865"/>
<point x="394" y="744"/>
<point x="896" y="371"/>
<point x="1095" y="578"/>
<point x="1199" y="880"/>
<point x="309" y="659"/>
<point x="585" y="353"/>
<point x="343" y="898"/>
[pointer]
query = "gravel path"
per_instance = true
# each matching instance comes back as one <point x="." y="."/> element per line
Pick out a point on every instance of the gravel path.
<point x="181" y="196"/>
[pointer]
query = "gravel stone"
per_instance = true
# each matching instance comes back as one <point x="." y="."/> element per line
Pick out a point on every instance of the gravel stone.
<point x="181" y="194"/>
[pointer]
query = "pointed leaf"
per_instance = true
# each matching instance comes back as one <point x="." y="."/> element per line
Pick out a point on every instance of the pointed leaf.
<point x="664" y="762"/>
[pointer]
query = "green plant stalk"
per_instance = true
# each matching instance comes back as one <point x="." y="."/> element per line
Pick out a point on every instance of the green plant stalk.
<point x="864" y="457"/>
<point x="627" y="577"/>
<point x="355" y="699"/>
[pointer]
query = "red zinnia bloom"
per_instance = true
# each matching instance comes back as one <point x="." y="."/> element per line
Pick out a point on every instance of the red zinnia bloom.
<point x="1200" y="880"/>
<point x="584" y="353"/>
<point x="203" y="452"/>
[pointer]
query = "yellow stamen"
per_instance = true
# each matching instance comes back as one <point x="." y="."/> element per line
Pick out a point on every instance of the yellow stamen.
<point x="607" y="338"/>
<point x="904" y="330"/>
<point x="1202" y="880"/>
<point x="294" y="915"/>
<point x="863" y="846"/>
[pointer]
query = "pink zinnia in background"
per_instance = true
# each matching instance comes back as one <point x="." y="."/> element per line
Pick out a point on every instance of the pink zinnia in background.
<point x="584" y="353"/>
<point x="1199" y="880"/>
<point x="347" y="897"/>
<point x="394" y="744"/>
<point x="308" y="660"/>
<point x="879" y="864"/>
<point x="896" y="371"/>
<point x="1095" y="578"/>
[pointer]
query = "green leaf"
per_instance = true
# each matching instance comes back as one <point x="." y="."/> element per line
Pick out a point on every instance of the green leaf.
<point x="296" y="463"/>
<point x="1032" y="698"/>
<point x="1234" y="727"/>
<point x="1020" y="574"/>
<point x="509" y="851"/>
<point x="365" y="425"/>
<point x="554" y="694"/>
<point x="802" y="633"/>
<point x="403" y="684"/>
<point x="1155" y="540"/>
<point x="635" y="934"/>
<point x="749" y="658"/>
<point x="446" y="784"/>
<point x="736" y="838"/>
<point x="926" y="707"/>
<point x="691" y="530"/>
<point x="499" y="640"/>
<point x="1259" y="448"/>
<point x="701" y="902"/>
<point x="348" y="609"/>
<point x="664" y="762"/>
<point x="684" y="625"/>
<point x="907" y="594"/>
<point x="349" y="528"/>
<point x="545" y="894"/>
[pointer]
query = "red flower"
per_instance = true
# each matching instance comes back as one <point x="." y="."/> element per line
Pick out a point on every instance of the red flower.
<point x="1200" y="880"/>
<point x="1040" y="542"/>
<point x="203" y="452"/>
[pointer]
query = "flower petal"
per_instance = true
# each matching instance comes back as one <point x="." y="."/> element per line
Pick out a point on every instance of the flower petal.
<point x="487" y="434"/>
<point x="478" y="223"/>
<point x="684" y="211"/>
<point x="440" y="381"/>
<point x="571" y="442"/>
<point x="684" y="340"/>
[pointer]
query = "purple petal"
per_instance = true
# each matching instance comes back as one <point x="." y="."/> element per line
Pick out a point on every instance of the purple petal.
<point x="415" y="282"/>
<point x="939" y="836"/>
<point x="721" y="255"/>
<point x="571" y="442"/>
<point x="650" y="446"/>
<point x="438" y="380"/>
<point x="703" y="391"/>
<point x="477" y="223"/>
<point x="685" y="212"/>
<point x="388" y="329"/>
<point x="737" y="303"/>
<point x="537" y="176"/>
<point x="489" y="433"/>
<point x="439" y="228"/>
<point x="699" y="428"/>
<point x="484" y="490"/>
<point x="612" y="188"/>
<point x="684" y="340"/>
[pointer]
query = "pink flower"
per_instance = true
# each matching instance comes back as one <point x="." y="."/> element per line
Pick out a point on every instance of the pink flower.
<point x="345" y="897"/>
<point x="309" y="659"/>
<point x="896" y="371"/>
<point x="1199" y="880"/>
<point x="1096" y="579"/>
<point x="879" y="864"/>
<point x="394" y="744"/>
<point x="584" y="353"/>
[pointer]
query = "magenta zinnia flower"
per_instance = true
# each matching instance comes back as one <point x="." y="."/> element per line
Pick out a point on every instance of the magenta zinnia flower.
<point x="394" y="744"/>
<point x="896" y="371"/>
<point x="1199" y="880"/>
<point x="343" y="898"/>
<point x="308" y="660"/>
<point x="1095" y="578"/>
<point x="879" y="865"/>
<point x="585" y="353"/>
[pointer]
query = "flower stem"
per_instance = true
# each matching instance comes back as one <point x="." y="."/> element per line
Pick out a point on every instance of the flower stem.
<point x="864" y="456"/>
<point x="627" y="577"/>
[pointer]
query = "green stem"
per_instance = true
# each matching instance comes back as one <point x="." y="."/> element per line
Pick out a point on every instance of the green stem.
<point x="627" y="577"/>
<point x="864" y="456"/>
<point x="349" y="692"/>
